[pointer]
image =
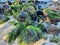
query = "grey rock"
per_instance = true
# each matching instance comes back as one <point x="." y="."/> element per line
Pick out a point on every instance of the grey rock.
<point x="4" y="8"/>
<point x="2" y="17"/>
<point x="22" y="16"/>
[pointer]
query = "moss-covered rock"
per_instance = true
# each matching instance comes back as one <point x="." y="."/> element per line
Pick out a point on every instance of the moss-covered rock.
<point x="54" y="39"/>
<point x="25" y="33"/>
<point x="30" y="34"/>
<point x="51" y="14"/>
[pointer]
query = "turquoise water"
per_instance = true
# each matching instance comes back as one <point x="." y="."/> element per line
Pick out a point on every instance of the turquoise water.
<point x="6" y="0"/>
<point x="11" y="0"/>
<point x="3" y="0"/>
<point x="44" y="0"/>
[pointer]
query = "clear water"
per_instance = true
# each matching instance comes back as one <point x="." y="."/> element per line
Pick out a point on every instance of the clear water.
<point x="58" y="25"/>
<point x="44" y="0"/>
<point x="11" y="0"/>
<point x="6" y="0"/>
<point x="3" y="0"/>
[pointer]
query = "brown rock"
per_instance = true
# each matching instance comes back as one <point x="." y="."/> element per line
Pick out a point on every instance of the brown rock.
<point x="52" y="29"/>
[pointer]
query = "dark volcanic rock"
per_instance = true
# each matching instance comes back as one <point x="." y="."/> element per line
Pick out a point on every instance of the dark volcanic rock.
<point x="40" y="13"/>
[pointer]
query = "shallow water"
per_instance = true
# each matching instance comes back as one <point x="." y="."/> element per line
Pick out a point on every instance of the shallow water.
<point x="44" y="0"/>
<point x="48" y="40"/>
<point x="3" y="0"/>
<point x="6" y="0"/>
<point x="58" y="25"/>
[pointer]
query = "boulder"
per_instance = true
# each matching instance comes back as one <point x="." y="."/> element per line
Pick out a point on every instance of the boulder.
<point x="54" y="21"/>
<point x="22" y="16"/>
<point x="4" y="8"/>
<point x="30" y="10"/>
<point x="52" y="29"/>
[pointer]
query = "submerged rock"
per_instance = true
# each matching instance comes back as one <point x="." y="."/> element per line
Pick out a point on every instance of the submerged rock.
<point x="6" y="8"/>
